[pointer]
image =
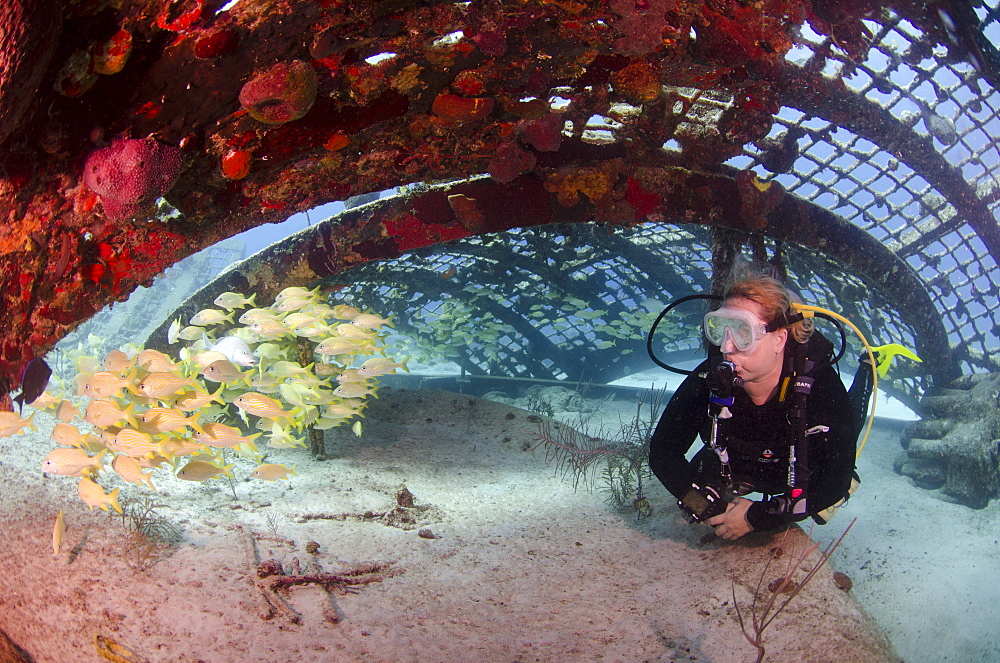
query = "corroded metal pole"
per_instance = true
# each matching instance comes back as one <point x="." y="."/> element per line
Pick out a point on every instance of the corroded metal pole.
<point x="317" y="440"/>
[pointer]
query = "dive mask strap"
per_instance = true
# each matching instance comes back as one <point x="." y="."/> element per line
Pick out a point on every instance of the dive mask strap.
<point x="785" y="319"/>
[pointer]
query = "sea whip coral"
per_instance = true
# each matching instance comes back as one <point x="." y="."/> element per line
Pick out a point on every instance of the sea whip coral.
<point x="130" y="173"/>
<point x="283" y="93"/>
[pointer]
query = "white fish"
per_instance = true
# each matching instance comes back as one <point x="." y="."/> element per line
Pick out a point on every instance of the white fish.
<point x="173" y="331"/>
<point x="236" y="351"/>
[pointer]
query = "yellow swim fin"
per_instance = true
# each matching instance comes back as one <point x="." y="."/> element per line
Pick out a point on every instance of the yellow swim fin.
<point x="885" y="353"/>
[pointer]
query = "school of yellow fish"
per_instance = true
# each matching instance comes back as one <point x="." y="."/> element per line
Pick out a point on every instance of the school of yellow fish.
<point x="141" y="410"/>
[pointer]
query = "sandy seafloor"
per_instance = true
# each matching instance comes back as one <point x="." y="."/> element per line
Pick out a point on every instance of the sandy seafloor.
<point x="523" y="567"/>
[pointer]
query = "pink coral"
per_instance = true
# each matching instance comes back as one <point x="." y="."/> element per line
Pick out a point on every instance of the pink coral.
<point x="491" y="43"/>
<point x="283" y="93"/>
<point x="131" y="172"/>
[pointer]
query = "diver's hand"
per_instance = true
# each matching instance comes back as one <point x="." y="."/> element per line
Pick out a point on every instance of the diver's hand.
<point x="733" y="523"/>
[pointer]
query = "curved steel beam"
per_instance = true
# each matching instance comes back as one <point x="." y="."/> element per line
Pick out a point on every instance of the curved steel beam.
<point x="821" y="97"/>
<point x="387" y="228"/>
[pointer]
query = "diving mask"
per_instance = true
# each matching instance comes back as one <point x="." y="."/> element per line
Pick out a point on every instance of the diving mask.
<point x="742" y="326"/>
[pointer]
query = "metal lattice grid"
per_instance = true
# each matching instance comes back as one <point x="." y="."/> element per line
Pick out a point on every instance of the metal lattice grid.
<point x="944" y="104"/>
<point x="564" y="302"/>
<point x="575" y="302"/>
<point x="924" y="180"/>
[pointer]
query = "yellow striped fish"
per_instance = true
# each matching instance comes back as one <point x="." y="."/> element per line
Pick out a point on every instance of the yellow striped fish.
<point x="202" y="470"/>
<point x="190" y="401"/>
<point x="72" y="462"/>
<point x="104" y="384"/>
<point x="67" y="411"/>
<point x="133" y="443"/>
<point x="355" y="390"/>
<point x="272" y="472"/>
<point x="161" y="385"/>
<point x="262" y="406"/>
<point x="93" y="495"/>
<point x="117" y="361"/>
<point x="256" y="314"/>
<point x="130" y="470"/>
<point x="223" y="370"/>
<point x="104" y="413"/>
<point x="220" y="435"/>
<point x="58" y="533"/>
<point x="155" y="361"/>
<point x="166" y="420"/>
<point x="67" y="435"/>
<point x="231" y="300"/>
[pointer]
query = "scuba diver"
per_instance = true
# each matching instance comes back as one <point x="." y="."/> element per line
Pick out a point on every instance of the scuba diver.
<point x="778" y="420"/>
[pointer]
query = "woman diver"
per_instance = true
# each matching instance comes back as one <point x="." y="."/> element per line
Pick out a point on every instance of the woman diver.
<point x="774" y="415"/>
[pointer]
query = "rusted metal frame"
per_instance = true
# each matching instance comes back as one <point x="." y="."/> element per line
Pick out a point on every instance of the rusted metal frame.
<point x="331" y="246"/>
<point x="815" y="95"/>
<point x="812" y="226"/>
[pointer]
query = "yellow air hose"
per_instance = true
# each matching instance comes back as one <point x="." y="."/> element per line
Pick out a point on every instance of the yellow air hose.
<point x="808" y="311"/>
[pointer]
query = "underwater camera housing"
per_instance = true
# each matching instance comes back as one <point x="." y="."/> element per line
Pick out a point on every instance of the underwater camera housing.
<point x="700" y="503"/>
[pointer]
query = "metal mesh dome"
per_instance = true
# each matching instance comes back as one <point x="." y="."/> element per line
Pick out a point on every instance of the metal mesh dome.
<point x="887" y="135"/>
<point x="575" y="302"/>
<point x="897" y="143"/>
<point x="934" y="208"/>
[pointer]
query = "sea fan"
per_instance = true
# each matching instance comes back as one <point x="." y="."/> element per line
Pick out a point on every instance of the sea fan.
<point x="623" y="456"/>
<point x="761" y="617"/>
<point x="148" y="535"/>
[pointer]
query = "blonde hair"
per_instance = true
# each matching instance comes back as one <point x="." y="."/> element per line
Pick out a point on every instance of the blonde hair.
<point x="757" y="284"/>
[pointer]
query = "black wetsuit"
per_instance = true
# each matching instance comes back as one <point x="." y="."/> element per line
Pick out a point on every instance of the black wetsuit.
<point x="758" y="439"/>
